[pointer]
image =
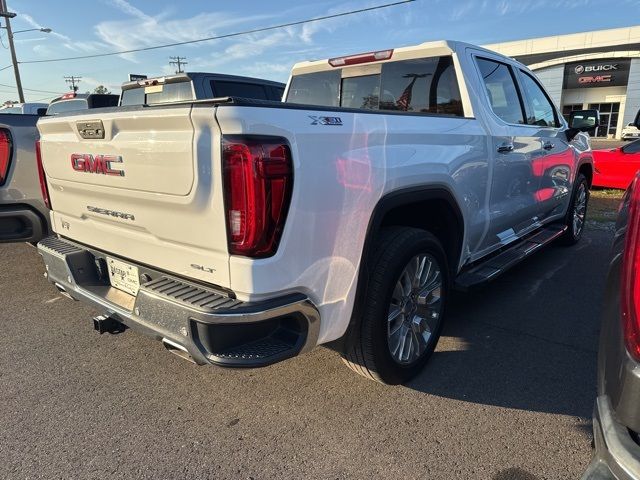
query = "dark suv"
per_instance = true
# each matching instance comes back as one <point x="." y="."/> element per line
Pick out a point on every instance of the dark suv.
<point x="616" y="418"/>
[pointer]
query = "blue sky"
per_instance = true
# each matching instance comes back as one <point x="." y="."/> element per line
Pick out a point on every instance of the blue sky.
<point x="108" y="25"/>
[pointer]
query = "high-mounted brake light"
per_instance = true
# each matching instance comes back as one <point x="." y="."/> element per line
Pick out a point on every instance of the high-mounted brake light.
<point x="69" y="95"/>
<point x="630" y="282"/>
<point x="258" y="179"/>
<point x="361" y="58"/>
<point x="151" y="82"/>
<point x="6" y="149"/>
<point x="43" y="180"/>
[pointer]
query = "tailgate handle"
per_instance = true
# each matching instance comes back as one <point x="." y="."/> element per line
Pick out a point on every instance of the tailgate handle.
<point x="92" y="129"/>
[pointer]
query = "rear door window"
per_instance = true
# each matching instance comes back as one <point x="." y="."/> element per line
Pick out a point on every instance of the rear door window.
<point x="501" y="90"/>
<point x="99" y="101"/>
<point x="222" y="88"/>
<point x="540" y="110"/>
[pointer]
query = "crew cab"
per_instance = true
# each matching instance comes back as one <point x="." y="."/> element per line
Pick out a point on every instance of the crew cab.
<point x="244" y="232"/>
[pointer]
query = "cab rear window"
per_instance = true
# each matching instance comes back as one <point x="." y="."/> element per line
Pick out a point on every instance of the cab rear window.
<point x="67" y="106"/>
<point x="164" y="93"/>
<point x="426" y="85"/>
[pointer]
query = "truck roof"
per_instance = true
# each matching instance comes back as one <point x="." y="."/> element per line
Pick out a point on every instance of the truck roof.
<point x="426" y="49"/>
<point x="194" y="76"/>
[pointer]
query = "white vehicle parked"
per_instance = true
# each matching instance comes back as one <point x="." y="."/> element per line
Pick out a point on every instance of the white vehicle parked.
<point x="630" y="132"/>
<point x="244" y="232"/>
<point x="25" y="108"/>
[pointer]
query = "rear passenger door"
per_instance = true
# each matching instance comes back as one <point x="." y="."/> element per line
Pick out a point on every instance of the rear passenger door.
<point x="555" y="170"/>
<point x="516" y="148"/>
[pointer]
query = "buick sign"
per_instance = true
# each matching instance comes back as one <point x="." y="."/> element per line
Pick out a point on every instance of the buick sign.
<point x="596" y="73"/>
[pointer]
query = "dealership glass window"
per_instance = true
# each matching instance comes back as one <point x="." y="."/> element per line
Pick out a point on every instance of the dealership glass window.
<point x="501" y="90"/>
<point x="608" y="118"/>
<point x="540" y="110"/>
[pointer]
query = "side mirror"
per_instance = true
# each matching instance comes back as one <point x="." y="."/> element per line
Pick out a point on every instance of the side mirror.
<point x="584" y="120"/>
<point x="41" y="112"/>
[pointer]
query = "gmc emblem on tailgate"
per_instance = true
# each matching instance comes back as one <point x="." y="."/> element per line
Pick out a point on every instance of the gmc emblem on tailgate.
<point x="85" y="162"/>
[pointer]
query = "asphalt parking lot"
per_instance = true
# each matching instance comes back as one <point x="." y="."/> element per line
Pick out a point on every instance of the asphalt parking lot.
<point x="508" y="394"/>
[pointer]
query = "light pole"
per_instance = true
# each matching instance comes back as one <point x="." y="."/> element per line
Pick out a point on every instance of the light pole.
<point x="7" y="15"/>
<point x="45" y="30"/>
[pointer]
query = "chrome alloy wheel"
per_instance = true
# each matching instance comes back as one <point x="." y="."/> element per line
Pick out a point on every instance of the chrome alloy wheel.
<point x="415" y="310"/>
<point x="579" y="210"/>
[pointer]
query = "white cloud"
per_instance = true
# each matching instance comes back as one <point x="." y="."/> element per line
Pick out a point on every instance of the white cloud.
<point x="90" y="83"/>
<point x="127" y="8"/>
<point x="513" y="7"/>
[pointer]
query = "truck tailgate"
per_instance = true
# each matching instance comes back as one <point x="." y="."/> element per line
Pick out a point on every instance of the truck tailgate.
<point x="149" y="191"/>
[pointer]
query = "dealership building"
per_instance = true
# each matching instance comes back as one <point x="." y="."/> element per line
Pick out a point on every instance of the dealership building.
<point x="599" y="69"/>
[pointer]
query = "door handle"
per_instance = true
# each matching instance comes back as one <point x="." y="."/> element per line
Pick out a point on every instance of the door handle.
<point x="505" y="148"/>
<point x="548" y="145"/>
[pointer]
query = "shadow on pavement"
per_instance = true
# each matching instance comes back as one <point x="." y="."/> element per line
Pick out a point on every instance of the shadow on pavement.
<point x="528" y="340"/>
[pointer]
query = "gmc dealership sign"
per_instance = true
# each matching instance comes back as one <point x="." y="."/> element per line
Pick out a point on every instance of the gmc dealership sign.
<point x="596" y="73"/>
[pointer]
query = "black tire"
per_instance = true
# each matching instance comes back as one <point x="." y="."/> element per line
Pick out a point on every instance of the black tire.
<point x="367" y="349"/>
<point x="571" y="236"/>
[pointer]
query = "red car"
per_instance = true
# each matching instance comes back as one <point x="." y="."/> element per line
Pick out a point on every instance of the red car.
<point x="616" y="168"/>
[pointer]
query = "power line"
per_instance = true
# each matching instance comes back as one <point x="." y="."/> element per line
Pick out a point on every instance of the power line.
<point x="30" y="89"/>
<point x="227" y="35"/>
<point x="178" y="62"/>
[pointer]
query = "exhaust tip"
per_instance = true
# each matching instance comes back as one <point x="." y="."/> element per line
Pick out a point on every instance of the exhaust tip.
<point x="177" y="349"/>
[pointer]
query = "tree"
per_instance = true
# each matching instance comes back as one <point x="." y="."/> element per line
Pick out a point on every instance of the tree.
<point x="101" y="89"/>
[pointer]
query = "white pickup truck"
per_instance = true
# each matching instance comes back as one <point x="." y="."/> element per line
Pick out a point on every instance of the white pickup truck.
<point x="244" y="232"/>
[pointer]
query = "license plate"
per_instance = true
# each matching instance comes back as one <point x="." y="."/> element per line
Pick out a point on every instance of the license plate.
<point x="123" y="276"/>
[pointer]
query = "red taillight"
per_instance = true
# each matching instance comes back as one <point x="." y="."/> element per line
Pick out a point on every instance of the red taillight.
<point x="66" y="96"/>
<point x="258" y="179"/>
<point x="43" y="180"/>
<point x="361" y="58"/>
<point x="5" y="155"/>
<point x="630" y="286"/>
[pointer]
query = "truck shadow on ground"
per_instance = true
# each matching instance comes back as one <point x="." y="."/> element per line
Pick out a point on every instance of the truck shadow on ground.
<point x="528" y="340"/>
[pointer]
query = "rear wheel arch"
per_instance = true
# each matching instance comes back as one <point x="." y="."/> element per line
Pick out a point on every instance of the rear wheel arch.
<point x="395" y="209"/>
<point x="433" y="209"/>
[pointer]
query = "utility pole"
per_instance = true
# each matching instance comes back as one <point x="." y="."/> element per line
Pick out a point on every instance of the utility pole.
<point x="6" y="16"/>
<point x="178" y="61"/>
<point x="72" y="81"/>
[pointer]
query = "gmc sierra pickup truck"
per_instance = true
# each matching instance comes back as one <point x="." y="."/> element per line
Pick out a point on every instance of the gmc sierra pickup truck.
<point x="243" y="232"/>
